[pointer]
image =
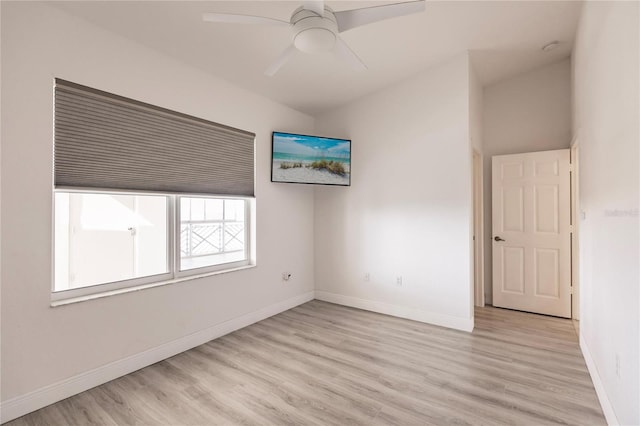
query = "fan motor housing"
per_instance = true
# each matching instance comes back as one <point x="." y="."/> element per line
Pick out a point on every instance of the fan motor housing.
<point x="313" y="33"/>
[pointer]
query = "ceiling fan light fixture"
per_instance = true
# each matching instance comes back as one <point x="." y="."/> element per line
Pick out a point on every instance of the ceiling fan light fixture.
<point x="315" y="27"/>
<point x="315" y="40"/>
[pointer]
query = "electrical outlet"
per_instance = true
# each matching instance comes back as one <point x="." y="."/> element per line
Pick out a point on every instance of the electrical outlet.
<point x="286" y="276"/>
<point x="367" y="277"/>
<point x="399" y="280"/>
<point x="618" y="367"/>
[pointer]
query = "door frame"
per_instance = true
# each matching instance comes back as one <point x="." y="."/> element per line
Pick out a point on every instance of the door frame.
<point x="478" y="229"/>
<point x="575" y="228"/>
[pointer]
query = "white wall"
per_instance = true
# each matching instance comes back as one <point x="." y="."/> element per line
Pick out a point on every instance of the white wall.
<point x="476" y="113"/>
<point x="529" y="112"/>
<point x="606" y="124"/>
<point x="42" y="345"/>
<point x="408" y="210"/>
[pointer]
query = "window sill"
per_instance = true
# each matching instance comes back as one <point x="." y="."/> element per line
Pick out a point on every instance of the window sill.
<point x="62" y="302"/>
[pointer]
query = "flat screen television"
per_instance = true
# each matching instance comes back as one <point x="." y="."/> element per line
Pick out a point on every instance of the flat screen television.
<point x="310" y="159"/>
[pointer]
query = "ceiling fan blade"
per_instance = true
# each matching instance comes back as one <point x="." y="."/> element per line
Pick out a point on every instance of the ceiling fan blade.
<point x="242" y="19"/>
<point x="348" y="19"/>
<point x="345" y="53"/>
<point x="282" y="59"/>
<point x="316" y="6"/>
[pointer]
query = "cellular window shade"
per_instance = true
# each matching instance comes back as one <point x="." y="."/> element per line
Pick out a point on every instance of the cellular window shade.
<point x="111" y="142"/>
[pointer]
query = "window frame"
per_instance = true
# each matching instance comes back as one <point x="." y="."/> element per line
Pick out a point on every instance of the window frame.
<point x="174" y="274"/>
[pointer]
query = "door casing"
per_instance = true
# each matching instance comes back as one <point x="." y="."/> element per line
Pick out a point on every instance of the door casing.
<point x="575" y="229"/>
<point x="478" y="230"/>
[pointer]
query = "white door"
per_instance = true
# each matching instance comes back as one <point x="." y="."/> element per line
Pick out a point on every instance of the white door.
<point x="531" y="232"/>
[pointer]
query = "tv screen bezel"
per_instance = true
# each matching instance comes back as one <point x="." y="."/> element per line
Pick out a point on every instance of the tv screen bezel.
<point x="310" y="136"/>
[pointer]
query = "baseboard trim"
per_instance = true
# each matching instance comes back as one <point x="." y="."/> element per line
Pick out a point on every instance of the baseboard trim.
<point x="464" y="324"/>
<point x="24" y="404"/>
<point x="607" y="408"/>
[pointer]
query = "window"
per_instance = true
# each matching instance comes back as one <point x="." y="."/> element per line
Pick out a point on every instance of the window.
<point x="132" y="198"/>
<point x="103" y="238"/>
<point x="118" y="240"/>
<point x="212" y="232"/>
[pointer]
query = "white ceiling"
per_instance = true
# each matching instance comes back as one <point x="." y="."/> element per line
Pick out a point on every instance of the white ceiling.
<point x="504" y="38"/>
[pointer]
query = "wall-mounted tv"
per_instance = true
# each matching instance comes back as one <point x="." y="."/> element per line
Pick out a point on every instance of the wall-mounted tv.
<point x="310" y="159"/>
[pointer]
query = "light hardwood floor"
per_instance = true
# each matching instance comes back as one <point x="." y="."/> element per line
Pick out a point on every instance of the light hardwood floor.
<point x="324" y="364"/>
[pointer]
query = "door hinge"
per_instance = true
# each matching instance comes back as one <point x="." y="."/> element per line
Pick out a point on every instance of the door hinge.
<point x="570" y="289"/>
<point x="571" y="229"/>
<point x="570" y="167"/>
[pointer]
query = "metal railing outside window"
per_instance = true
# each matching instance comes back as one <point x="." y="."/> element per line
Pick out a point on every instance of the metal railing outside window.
<point x="205" y="238"/>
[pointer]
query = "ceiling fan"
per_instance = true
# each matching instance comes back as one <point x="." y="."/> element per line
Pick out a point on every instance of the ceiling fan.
<point x="315" y="27"/>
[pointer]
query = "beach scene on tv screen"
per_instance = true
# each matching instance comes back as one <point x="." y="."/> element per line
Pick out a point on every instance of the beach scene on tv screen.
<point x="311" y="159"/>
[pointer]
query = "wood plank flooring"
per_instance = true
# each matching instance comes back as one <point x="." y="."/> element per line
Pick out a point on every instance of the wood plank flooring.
<point x="324" y="364"/>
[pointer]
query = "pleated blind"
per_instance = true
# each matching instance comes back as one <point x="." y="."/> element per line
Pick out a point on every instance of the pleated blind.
<point x="111" y="142"/>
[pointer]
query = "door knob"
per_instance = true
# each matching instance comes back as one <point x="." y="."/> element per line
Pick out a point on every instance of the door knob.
<point x="497" y="239"/>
